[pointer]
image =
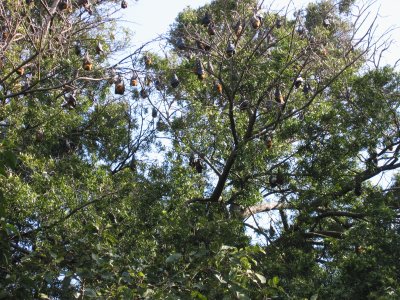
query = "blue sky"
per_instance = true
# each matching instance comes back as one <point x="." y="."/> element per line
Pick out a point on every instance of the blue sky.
<point x="149" y="18"/>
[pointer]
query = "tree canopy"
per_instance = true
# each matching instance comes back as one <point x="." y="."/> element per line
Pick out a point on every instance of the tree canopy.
<point x="244" y="161"/>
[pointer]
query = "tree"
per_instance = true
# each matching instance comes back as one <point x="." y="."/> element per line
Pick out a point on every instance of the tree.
<point x="269" y="113"/>
<point x="68" y="146"/>
<point x="251" y="111"/>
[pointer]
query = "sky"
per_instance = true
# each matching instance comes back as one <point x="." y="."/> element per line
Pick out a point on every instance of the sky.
<point x="150" y="18"/>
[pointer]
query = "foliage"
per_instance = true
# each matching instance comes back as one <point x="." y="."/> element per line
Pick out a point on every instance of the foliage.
<point x="145" y="178"/>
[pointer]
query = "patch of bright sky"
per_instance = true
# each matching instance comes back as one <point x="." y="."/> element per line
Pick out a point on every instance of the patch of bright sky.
<point x="150" y="18"/>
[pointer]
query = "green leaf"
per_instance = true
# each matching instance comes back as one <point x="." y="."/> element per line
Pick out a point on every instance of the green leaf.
<point x="261" y="278"/>
<point x="274" y="281"/>
<point x="219" y="277"/>
<point x="148" y="293"/>
<point x="245" y="263"/>
<point x="59" y="259"/>
<point x="90" y="293"/>
<point x="2" y="205"/>
<point x="226" y="248"/>
<point x="241" y="296"/>
<point x="95" y="257"/>
<point x="173" y="258"/>
<point x="198" y="295"/>
<point x="10" y="159"/>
